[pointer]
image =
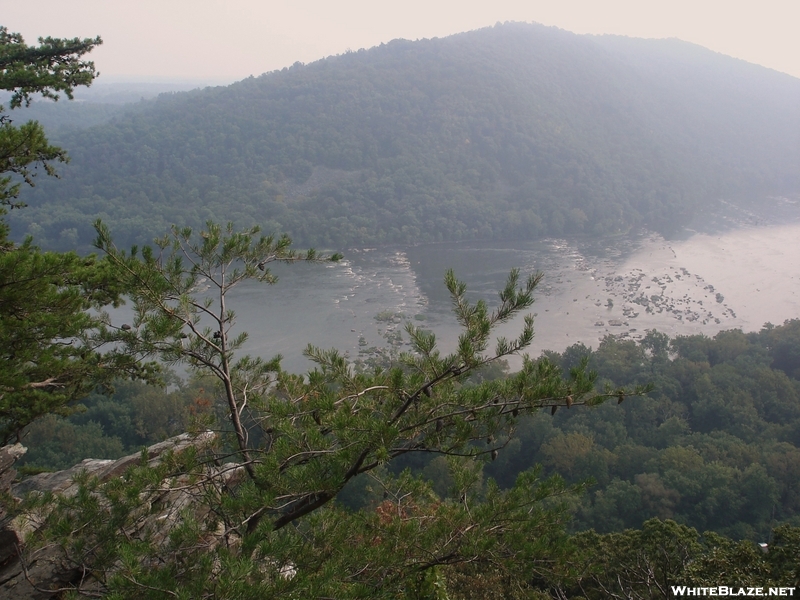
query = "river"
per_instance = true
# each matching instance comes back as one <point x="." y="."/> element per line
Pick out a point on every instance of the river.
<point x="742" y="275"/>
<point x="737" y="269"/>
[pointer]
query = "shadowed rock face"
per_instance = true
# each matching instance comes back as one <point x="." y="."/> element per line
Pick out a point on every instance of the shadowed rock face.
<point x="46" y="573"/>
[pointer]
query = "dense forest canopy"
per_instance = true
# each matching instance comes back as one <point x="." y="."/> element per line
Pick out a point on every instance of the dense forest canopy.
<point x="715" y="446"/>
<point x="512" y="131"/>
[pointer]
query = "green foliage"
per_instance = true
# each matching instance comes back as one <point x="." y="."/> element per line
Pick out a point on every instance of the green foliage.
<point x="713" y="446"/>
<point x="114" y="425"/>
<point x="404" y="546"/>
<point x="51" y="343"/>
<point x="643" y="563"/>
<point x="22" y="149"/>
<point x="56" y="344"/>
<point x="516" y="131"/>
<point x="783" y="345"/>
<point x="170" y="314"/>
<point x="716" y="446"/>
<point x="52" y="67"/>
<point x="267" y="524"/>
<point x="646" y="564"/>
<point x="308" y="439"/>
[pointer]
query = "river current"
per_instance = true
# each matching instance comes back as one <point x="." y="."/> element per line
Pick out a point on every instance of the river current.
<point x="738" y="271"/>
<point x="742" y="275"/>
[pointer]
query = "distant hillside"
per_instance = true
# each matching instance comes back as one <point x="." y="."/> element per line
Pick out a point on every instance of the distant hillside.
<point x="512" y="131"/>
<point x="94" y="105"/>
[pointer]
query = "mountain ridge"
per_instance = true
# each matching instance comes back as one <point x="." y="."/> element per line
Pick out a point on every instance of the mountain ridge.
<point x="511" y="131"/>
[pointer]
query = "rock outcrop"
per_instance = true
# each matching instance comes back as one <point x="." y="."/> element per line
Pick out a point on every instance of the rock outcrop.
<point x="46" y="573"/>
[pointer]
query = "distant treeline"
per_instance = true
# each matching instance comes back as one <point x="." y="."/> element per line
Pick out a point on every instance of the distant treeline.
<point x="508" y="132"/>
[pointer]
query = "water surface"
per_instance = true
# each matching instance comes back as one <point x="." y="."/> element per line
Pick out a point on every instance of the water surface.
<point x="738" y="270"/>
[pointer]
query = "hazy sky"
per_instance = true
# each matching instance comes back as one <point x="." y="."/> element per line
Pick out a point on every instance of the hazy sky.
<point x="223" y="41"/>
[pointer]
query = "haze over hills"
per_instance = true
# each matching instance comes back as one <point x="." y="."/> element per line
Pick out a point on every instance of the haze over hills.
<point x="94" y="105"/>
<point x="507" y="132"/>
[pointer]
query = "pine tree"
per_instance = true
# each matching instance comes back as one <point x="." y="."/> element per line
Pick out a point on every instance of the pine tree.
<point x="263" y="520"/>
<point x="53" y="67"/>
<point x="52" y="328"/>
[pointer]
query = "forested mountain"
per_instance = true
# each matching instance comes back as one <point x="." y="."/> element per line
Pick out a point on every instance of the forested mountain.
<point x="282" y="485"/>
<point x="512" y="131"/>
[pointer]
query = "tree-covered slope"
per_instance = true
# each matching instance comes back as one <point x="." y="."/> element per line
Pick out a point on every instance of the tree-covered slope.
<point x="516" y="130"/>
<point x="715" y="446"/>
